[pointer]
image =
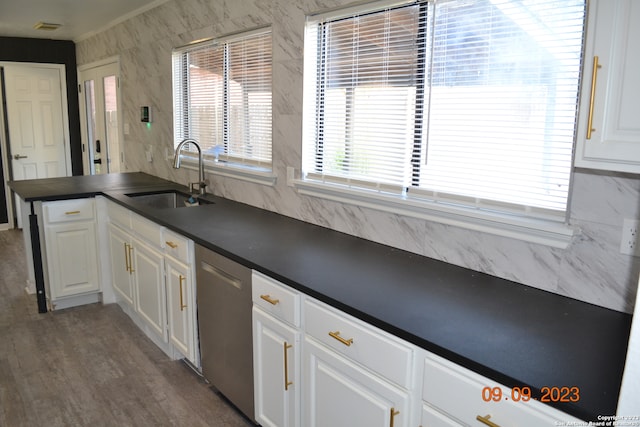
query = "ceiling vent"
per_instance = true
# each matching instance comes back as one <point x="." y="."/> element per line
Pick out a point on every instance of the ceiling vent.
<point x="47" y="26"/>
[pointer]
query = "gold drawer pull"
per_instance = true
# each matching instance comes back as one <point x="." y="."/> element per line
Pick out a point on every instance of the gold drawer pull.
<point x="72" y="212"/>
<point x="485" y="420"/>
<point x="172" y="245"/>
<point x="393" y="413"/>
<point x="594" y="77"/>
<point x="270" y="300"/>
<point x="287" y="383"/>
<point x="337" y="336"/>
<point x="182" y="304"/>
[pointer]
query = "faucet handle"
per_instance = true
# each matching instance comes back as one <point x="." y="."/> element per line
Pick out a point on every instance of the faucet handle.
<point x="201" y="186"/>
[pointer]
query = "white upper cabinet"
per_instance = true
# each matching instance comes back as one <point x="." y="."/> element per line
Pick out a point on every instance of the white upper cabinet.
<point x="609" y="120"/>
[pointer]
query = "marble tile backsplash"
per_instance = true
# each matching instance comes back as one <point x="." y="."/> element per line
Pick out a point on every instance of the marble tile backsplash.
<point x="591" y="269"/>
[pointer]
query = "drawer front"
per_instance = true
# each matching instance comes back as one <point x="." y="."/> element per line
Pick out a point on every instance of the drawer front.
<point x="177" y="246"/>
<point x="433" y="418"/>
<point x="146" y="229"/>
<point x="457" y="392"/>
<point x="373" y="348"/>
<point x="119" y="215"/>
<point x="69" y="210"/>
<point x="276" y="298"/>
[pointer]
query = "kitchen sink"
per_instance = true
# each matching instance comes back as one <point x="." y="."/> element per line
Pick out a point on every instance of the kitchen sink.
<point x="167" y="199"/>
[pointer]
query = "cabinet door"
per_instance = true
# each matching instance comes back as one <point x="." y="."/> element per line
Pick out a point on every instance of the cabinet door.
<point x="276" y="367"/>
<point x="612" y="35"/>
<point x="148" y="272"/>
<point x="72" y="258"/>
<point x="180" y="307"/>
<point x="342" y="394"/>
<point x="120" y="250"/>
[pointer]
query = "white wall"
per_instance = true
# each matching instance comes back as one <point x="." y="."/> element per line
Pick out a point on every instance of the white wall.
<point x="590" y="269"/>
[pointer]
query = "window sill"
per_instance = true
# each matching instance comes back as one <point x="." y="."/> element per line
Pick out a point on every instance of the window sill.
<point x="544" y="232"/>
<point x="255" y="175"/>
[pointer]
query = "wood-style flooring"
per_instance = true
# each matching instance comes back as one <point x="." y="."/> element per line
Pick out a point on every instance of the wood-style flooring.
<point x="89" y="366"/>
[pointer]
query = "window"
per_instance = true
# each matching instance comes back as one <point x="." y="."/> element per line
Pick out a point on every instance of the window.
<point x="222" y="98"/>
<point x="462" y="107"/>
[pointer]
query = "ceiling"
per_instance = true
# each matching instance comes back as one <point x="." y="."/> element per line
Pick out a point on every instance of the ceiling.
<point x="79" y="18"/>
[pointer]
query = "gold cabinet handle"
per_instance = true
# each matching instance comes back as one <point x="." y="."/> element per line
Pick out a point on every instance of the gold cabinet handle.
<point x="393" y="413"/>
<point x="172" y="245"/>
<point x="485" y="420"/>
<point x="182" y="304"/>
<point x="337" y="336"/>
<point x="594" y="77"/>
<point x="131" y="270"/>
<point x="72" y="213"/>
<point x="270" y="300"/>
<point x="287" y="383"/>
<point x="126" y="256"/>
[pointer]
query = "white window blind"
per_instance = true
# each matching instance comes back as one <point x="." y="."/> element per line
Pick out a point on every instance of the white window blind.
<point x="222" y="97"/>
<point x="467" y="102"/>
<point x="367" y="68"/>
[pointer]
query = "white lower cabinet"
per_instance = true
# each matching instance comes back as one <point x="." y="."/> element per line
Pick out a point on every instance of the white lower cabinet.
<point x="148" y="274"/>
<point x="180" y="307"/>
<point x="276" y="347"/>
<point x="340" y="393"/>
<point x="356" y="375"/>
<point x="152" y="273"/>
<point x="120" y="250"/>
<point x="455" y="396"/>
<point x="137" y="272"/>
<point x="276" y="352"/>
<point x="71" y="252"/>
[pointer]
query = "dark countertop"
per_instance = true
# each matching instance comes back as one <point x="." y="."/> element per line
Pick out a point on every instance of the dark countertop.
<point x="514" y="334"/>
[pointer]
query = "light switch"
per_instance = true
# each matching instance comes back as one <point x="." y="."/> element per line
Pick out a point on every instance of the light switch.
<point x="145" y="114"/>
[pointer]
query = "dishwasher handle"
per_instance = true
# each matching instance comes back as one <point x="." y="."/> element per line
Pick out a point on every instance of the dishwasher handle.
<point x="221" y="274"/>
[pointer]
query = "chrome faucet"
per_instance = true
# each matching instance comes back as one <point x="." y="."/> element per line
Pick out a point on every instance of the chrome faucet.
<point x="176" y="164"/>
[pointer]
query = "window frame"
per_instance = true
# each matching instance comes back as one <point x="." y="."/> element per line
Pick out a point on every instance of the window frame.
<point x="258" y="172"/>
<point x="512" y="221"/>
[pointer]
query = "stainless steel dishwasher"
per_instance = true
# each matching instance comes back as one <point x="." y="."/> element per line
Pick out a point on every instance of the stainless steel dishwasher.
<point x="224" y="321"/>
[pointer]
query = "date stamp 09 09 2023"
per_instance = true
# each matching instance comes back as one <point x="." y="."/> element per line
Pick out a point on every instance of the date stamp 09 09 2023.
<point x="558" y="394"/>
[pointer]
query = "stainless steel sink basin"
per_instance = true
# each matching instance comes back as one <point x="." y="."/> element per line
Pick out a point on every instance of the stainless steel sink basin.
<point x="166" y="199"/>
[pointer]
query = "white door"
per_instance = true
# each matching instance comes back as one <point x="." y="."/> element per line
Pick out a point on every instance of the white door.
<point x="37" y="122"/>
<point x="100" y="130"/>
<point x="36" y="112"/>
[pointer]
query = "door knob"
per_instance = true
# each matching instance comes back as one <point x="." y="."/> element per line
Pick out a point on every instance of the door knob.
<point x="18" y="157"/>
